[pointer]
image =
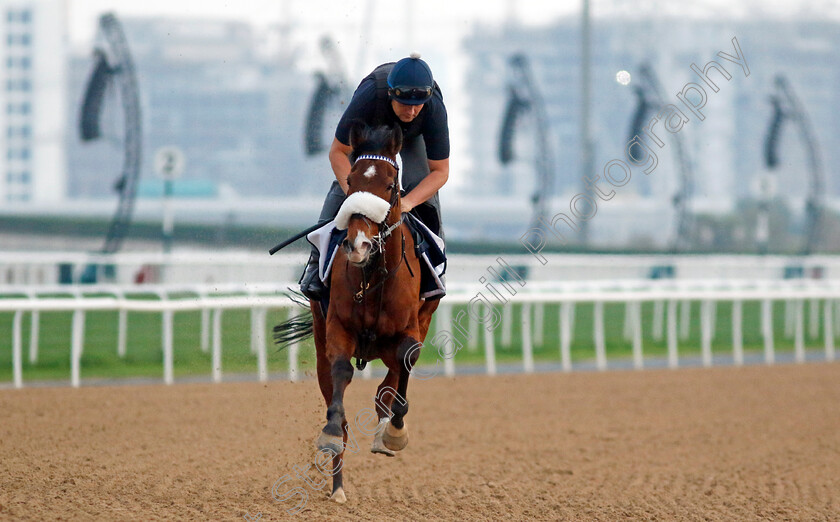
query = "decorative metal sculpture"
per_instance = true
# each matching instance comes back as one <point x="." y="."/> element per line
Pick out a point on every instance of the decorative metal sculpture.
<point x="525" y="101"/>
<point x="650" y="101"/>
<point x="786" y="107"/>
<point x="114" y="66"/>
<point x="330" y="89"/>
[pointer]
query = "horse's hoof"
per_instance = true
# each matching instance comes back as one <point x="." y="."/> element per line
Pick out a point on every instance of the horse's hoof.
<point x="339" y="496"/>
<point x="379" y="447"/>
<point x="395" y="439"/>
<point x="330" y="443"/>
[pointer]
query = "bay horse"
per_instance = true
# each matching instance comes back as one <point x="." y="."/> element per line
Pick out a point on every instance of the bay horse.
<point x="375" y="310"/>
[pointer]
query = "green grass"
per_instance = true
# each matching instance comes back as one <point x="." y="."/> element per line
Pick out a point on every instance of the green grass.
<point x="144" y="356"/>
<point x="583" y="345"/>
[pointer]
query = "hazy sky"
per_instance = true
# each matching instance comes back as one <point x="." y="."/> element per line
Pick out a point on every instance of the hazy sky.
<point x="433" y="18"/>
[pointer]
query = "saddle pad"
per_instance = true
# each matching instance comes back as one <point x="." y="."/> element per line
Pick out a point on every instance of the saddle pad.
<point x="430" y="250"/>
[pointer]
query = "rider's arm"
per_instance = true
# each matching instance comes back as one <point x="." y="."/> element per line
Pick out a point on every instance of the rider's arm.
<point x="438" y="174"/>
<point x="340" y="162"/>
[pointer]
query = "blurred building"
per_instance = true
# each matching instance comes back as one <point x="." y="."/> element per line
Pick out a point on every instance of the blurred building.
<point x="32" y="101"/>
<point x="726" y="149"/>
<point x="205" y="87"/>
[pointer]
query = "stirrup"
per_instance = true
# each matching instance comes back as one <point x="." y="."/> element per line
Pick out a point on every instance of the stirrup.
<point x="311" y="285"/>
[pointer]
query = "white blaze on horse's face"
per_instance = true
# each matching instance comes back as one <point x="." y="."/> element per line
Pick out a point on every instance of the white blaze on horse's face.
<point x="370" y="172"/>
<point x="361" y="248"/>
<point x="359" y="215"/>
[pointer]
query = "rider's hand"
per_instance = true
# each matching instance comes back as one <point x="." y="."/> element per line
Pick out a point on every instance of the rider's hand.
<point x="405" y="206"/>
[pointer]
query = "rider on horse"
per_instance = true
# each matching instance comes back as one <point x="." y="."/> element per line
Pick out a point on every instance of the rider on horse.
<point x="403" y="93"/>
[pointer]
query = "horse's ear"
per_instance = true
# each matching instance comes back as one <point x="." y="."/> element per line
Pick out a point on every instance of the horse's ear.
<point x="358" y="133"/>
<point x="395" y="143"/>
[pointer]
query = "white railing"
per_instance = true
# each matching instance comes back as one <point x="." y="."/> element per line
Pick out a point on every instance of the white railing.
<point x="206" y="299"/>
<point x="672" y="300"/>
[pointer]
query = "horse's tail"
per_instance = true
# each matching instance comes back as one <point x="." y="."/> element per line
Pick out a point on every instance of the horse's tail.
<point x="297" y="328"/>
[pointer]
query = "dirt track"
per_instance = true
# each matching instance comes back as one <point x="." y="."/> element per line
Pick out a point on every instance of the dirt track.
<point x="720" y="444"/>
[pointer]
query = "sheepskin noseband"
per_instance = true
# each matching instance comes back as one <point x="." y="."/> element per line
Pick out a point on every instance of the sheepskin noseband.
<point x="364" y="203"/>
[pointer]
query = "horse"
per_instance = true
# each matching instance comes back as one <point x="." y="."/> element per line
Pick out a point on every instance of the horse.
<point x="375" y="310"/>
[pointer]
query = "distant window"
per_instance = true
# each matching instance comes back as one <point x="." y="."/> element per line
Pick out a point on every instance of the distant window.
<point x="21" y="153"/>
<point x="19" y="196"/>
<point x="24" y="131"/>
<point x="22" y="84"/>
<point x="23" y="16"/>
<point x="18" y="108"/>
<point x="23" y="177"/>
<point x="24" y="39"/>
<point x="23" y="62"/>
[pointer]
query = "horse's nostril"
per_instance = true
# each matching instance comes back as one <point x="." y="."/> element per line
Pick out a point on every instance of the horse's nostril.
<point x="346" y="246"/>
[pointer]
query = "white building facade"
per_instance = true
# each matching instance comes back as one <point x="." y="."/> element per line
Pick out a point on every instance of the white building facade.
<point x="32" y="101"/>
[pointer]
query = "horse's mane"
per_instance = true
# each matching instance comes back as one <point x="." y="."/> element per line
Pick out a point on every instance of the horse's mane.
<point x="371" y="140"/>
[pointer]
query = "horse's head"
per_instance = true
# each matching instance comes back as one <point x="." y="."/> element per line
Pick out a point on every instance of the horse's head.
<point x="373" y="199"/>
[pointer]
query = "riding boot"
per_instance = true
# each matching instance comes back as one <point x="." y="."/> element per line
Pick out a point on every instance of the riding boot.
<point x="310" y="282"/>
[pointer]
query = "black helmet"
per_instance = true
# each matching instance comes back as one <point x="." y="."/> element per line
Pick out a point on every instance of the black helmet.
<point x="410" y="81"/>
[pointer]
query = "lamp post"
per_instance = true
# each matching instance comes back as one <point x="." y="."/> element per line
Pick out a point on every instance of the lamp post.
<point x="585" y="132"/>
<point x="169" y="164"/>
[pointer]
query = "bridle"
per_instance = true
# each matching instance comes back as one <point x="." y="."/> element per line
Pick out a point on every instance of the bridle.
<point x="378" y="241"/>
<point x="368" y="335"/>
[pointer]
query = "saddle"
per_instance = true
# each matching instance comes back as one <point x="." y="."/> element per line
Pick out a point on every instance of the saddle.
<point x="428" y="246"/>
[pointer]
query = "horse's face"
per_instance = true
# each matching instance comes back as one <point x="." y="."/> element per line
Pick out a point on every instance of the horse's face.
<point x="376" y="189"/>
<point x="373" y="189"/>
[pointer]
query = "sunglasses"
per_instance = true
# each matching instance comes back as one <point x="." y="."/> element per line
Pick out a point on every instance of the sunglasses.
<point x="411" y="93"/>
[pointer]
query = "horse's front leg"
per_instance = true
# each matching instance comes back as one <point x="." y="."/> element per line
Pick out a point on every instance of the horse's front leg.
<point x="395" y="434"/>
<point x="385" y="395"/>
<point x="333" y="437"/>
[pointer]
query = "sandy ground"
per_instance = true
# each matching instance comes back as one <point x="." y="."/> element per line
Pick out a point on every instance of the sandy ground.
<point x="752" y="443"/>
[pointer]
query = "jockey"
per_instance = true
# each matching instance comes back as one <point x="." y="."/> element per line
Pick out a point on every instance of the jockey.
<point x="404" y="93"/>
